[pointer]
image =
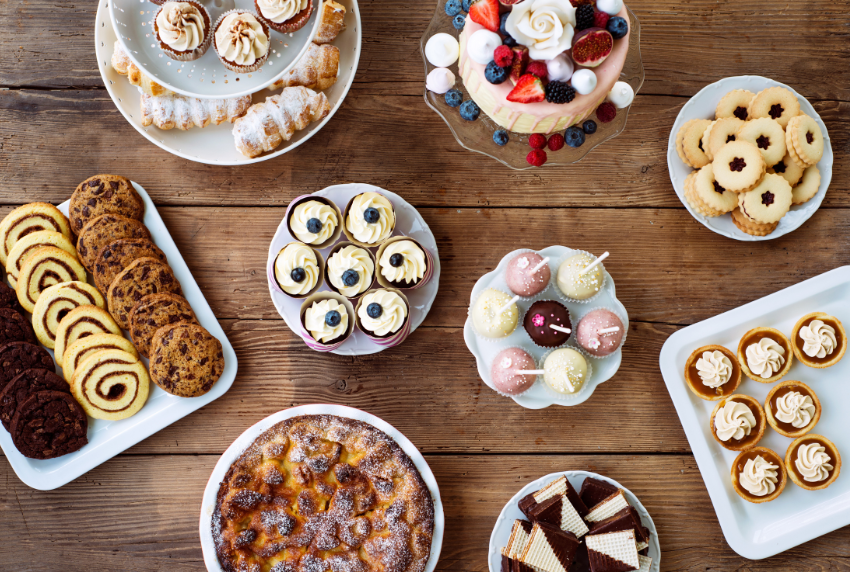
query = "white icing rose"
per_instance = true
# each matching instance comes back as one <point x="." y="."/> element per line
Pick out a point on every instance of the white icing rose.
<point x="759" y="477"/>
<point x="546" y="27"/>
<point x="240" y="39"/>
<point x="818" y="339"/>
<point x="320" y="211"/>
<point x="795" y="408"/>
<point x="813" y="462"/>
<point x="370" y="232"/>
<point x="181" y="26"/>
<point x="765" y="358"/>
<point x="281" y="10"/>
<point x="393" y="312"/>
<point x="294" y="256"/>
<point x="317" y="325"/>
<point x="734" y="421"/>
<point x="714" y="369"/>
<point x="351" y="258"/>
<point x="413" y="265"/>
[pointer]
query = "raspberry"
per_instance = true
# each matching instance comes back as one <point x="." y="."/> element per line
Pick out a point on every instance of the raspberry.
<point x="556" y="142"/>
<point x="600" y="20"/>
<point x="606" y="112"/>
<point x="537" y="141"/>
<point x="536" y="158"/>
<point x="503" y="56"/>
<point x="538" y="68"/>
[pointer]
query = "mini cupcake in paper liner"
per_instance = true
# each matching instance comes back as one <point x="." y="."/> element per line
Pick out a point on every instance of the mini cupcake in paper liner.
<point x="292" y="272"/>
<point x="588" y="339"/>
<point x="489" y="325"/>
<point x="506" y="382"/>
<point x="568" y="367"/>
<point x="314" y="220"/>
<point x="280" y="15"/>
<point x="349" y="262"/>
<point x="403" y="257"/>
<point x="369" y="219"/>
<point x="319" y="320"/>
<point x="251" y="30"/>
<point x="540" y="315"/>
<point x="589" y="285"/>
<point x="518" y="279"/>
<point x="378" y="313"/>
<point x="182" y="22"/>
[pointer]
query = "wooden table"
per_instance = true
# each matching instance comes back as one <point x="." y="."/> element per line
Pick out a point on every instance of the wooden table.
<point x="139" y="511"/>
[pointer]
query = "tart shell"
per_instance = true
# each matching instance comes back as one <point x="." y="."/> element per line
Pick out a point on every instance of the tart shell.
<point x="778" y="337"/>
<point x="694" y="383"/>
<point x="758" y="413"/>
<point x="768" y="410"/>
<point x="842" y="342"/>
<point x="830" y="448"/>
<point x="780" y="486"/>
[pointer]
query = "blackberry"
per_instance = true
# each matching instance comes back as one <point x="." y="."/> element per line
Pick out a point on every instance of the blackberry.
<point x="559" y="92"/>
<point x="584" y="17"/>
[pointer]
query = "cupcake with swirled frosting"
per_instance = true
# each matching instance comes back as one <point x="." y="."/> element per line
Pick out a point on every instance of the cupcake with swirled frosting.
<point x="327" y="321"/>
<point x="285" y="16"/>
<point x="403" y="263"/>
<point x="382" y="314"/>
<point x="183" y="30"/>
<point x="314" y="220"/>
<point x="350" y="270"/>
<point x="298" y="270"/>
<point x="241" y="41"/>
<point x="369" y="219"/>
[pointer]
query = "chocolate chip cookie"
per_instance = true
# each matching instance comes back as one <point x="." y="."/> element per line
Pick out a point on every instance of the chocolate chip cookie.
<point x="153" y="312"/>
<point x="186" y="360"/>
<point x="104" y="194"/>
<point x="16" y="357"/>
<point x="9" y="298"/>
<point x="144" y="276"/>
<point x="49" y="424"/>
<point x="14" y="327"/>
<point x="118" y="254"/>
<point x="102" y="231"/>
<point x="22" y="386"/>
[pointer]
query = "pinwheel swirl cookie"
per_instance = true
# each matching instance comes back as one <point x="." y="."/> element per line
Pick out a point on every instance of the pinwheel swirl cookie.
<point x="46" y="267"/>
<point x="28" y="219"/>
<point x="111" y="385"/>
<point x="56" y="302"/>
<point x="82" y="322"/>
<point x="28" y="244"/>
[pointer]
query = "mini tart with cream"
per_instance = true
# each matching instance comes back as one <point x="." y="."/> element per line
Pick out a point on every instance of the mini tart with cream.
<point x="712" y="372"/>
<point x="183" y="30"/>
<point x="813" y="462"/>
<point x="758" y="475"/>
<point x="241" y="41"/>
<point x="285" y="16"/>
<point x="792" y="408"/>
<point x="737" y="422"/>
<point x="765" y="355"/>
<point x="819" y="340"/>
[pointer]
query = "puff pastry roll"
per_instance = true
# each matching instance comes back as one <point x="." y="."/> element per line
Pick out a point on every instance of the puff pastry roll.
<point x="317" y="70"/>
<point x="176" y="111"/>
<point x="122" y="64"/>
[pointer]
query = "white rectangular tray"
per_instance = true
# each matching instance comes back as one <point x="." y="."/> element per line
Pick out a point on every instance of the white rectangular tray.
<point x="757" y="531"/>
<point x="109" y="438"/>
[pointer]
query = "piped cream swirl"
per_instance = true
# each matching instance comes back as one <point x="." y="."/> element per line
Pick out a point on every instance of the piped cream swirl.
<point x="765" y="358"/>
<point x="281" y="10"/>
<point x="370" y="232"/>
<point x="241" y="39"/>
<point x="759" y="477"/>
<point x="734" y="421"/>
<point x="314" y="320"/>
<point x="351" y="258"/>
<point x="813" y="462"/>
<point x="795" y="408"/>
<point x="320" y="211"/>
<point x="393" y="312"/>
<point x="411" y="270"/>
<point x="181" y="26"/>
<point x="818" y="339"/>
<point x="296" y="255"/>
<point x="714" y="369"/>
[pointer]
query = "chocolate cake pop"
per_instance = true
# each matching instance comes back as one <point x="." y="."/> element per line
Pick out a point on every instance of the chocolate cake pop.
<point x="528" y="274"/>
<point x="548" y="323"/>
<point x="596" y="332"/>
<point x="504" y="372"/>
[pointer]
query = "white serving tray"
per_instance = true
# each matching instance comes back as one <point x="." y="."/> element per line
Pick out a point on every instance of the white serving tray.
<point x="408" y="223"/>
<point x="702" y="106"/>
<point x="250" y="434"/>
<point x="760" y="530"/>
<point x="502" y="531"/>
<point x="109" y="438"/>
<point x="485" y="352"/>
<point x="214" y="144"/>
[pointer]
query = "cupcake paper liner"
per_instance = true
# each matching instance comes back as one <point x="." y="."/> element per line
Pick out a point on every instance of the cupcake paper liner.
<point x="189" y="56"/>
<point x="536" y="381"/>
<point x="563" y="397"/>
<point x="351" y="237"/>
<point x="622" y="342"/>
<point x="429" y="265"/>
<point x="573" y="325"/>
<point x="554" y="279"/>
<point x="273" y="279"/>
<point x="308" y="337"/>
<point x="232" y="66"/>
<point x="393" y="339"/>
<point x="287" y="26"/>
<point x="327" y="277"/>
<point x="548" y="284"/>
<point x="337" y="231"/>
<point x="485" y="338"/>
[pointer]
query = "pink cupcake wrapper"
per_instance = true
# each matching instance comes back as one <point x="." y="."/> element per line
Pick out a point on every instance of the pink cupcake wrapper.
<point x="426" y="277"/>
<point x="337" y="231"/>
<point x="314" y="344"/>
<point x="393" y="339"/>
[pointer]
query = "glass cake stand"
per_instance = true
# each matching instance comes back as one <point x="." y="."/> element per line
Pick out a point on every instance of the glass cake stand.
<point x="477" y="135"/>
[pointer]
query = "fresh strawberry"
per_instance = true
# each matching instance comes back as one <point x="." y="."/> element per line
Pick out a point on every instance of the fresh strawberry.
<point x="529" y="89"/>
<point x="520" y="61"/>
<point x="600" y="19"/>
<point x="503" y="56"/>
<point x="486" y="13"/>
<point x="538" y="68"/>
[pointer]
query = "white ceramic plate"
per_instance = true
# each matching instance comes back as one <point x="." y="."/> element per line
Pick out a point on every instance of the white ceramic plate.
<point x="502" y="531"/>
<point x="485" y="351"/>
<point x="760" y="530"/>
<point x="206" y="76"/>
<point x="214" y="144"/>
<point x="702" y="106"/>
<point x="408" y="223"/>
<point x="250" y="434"/>
<point x="109" y="438"/>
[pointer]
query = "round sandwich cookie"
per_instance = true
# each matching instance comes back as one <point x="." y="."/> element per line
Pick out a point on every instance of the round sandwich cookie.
<point x="155" y="311"/>
<point x="45" y="267"/>
<point x="750" y="227"/>
<point x="767" y="135"/>
<point x="49" y="424"/>
<point x="711" y="194"/>
<point x="692" y="143"/>
<point x="719" y="133"/>
<point x="14" y="327"/>
<point x="804" y="137"/>
<point x="118" y="255"/>
<point x="693" y="201"/>
<point x="735" y="104"/>
<point x="768" y="202"/>
<point x="104" y="194"/>
<point x="16" y="357"/>
<point x="85" y="347"/>
<point x="27" y="244"/>
<point x="680" y="138"/>
<point x="102" y="231"/>
<point x="111" y="385"/>
<point x="808" y="187"/>
<point x="186" y="360"/>
<point x="22" y="386"/>
<point x="26" y="220"/>
<point x="81" y="322"/>
<point x="776" y="103"/>
<point x="790" y="170"/>
<point x="9" y="298"/>
<point x="144" y="276"/>
<point x="738" y="166"/>
<point x="55" y="303"/>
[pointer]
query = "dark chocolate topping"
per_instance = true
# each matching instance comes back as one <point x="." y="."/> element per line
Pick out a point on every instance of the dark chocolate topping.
<point x="594" y="491"/>
<point x="540" y="316"/>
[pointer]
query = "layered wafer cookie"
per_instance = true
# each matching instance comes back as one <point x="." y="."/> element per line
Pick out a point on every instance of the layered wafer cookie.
<point x="613" y="551"/>
<point x="559" y="511"/>
<point x="550" y="549"/>
<point x="608" y="507"/>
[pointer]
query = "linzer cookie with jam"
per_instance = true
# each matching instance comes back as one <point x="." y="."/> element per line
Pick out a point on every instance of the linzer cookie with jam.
<point x="104" y="194"/>
<point x="185" y="359"/>
<point x="102" y="231"/>
<point x="144" y="276"/>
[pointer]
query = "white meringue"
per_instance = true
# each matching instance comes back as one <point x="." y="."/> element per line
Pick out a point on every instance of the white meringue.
<point x="584" y="81"/>
<point x="621" y="95"/>
<point x="560" y="68"/>
<point x="481" y="46"/>
<point x="440" y="80"/>
<point x="442" y="50"/>
<point x="610" y="7"/>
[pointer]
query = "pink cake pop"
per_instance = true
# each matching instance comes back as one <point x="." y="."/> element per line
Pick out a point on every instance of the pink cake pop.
<point x="596" y="334"/>
<point x="525" y="275"/>
<point x="504" y="376"/>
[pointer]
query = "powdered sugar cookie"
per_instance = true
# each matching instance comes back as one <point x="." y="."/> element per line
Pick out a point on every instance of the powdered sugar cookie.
<point x="808" y="186"/>
<point x="790" y="170"/>
<point x="720" y="133"/>
<point x="767" y="135"/>
<point x="735" y="104"/>
<point x="738" y="166"/>
<point x="805" y="136"/>
<point x="692" y="143"/>
<point x="768" y="202"/>
<point x="775" y="102"/>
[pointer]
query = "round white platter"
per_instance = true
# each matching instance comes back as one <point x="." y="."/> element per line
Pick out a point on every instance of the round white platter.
<point x="250" y="434"/>
<point x="502" y="531"/>
<point x="206" y="76"/>
<point x="702" y="106"/>
<point x="408" y="223"/>
<point x="537" y="397"/>
<point x="214" y="144"/>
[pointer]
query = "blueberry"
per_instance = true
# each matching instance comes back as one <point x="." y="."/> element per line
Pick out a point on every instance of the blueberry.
<point x="502" y="29"/>
<point x="350" y="277"/>
<point x="396" y="260"/>
<point x="374" y="310"/>
<point x="510" y="42"/>
<point x="454" y="98"/>
<point x="574" y="137"/>
<point x="500" y="136"/>
<point x="314" y="225"/>
<point x="589" y="126"/>
<point x="618" y="27"/>
<point x="333" y="318"/>
<point x="298" y="274"/>
<point x="466" y="5"/>
<point x="469" y="110"/>
<point x="371" y="215"/>
<point x="459" y="21"/>
<point x="495" y="74"/>
<point x="453" y="7"/>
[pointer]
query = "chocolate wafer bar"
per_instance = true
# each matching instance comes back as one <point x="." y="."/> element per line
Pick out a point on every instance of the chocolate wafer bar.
<point x="608" y="507"/>
<point x="550" y="549"/>
<point x="645" y="563"/>
<point x="613" y="552"/>
<point x="559" y="511"/>
<point x="626" y="519"/>
<point x="594" y="491"/>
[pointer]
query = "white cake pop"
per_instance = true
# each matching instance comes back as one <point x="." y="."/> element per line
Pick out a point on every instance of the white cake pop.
<point x="481" y="46"/>
<point x="584" y="81"/>
<point x="621" y="95"/>
<point x="610" y="7"/>
<point x="560" y="68"/>
<point x="440" y="80"/>
<point x="442" y="50"/>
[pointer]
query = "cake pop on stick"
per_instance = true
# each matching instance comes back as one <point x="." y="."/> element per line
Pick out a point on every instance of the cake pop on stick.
<point x="507" y="305"/>
<point x="560" y="329"/>
<point x="593" y="264"/>
<point x="539" y="266"/>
